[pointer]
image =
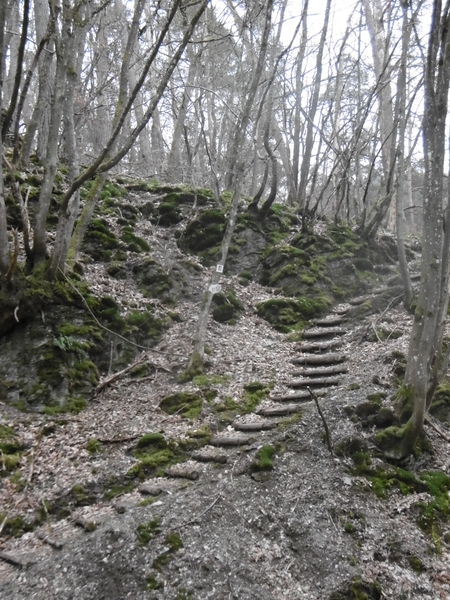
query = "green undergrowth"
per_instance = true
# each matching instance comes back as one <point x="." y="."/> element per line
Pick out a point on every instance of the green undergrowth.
<point x="358" y="589"/>
<point x="254" y="392"/>
<point x="147" y="531"/>
<point x="187" y="405"/>
<point x="386" y="478"/>
<point x="173" y="543"/>
<point x="263" y="459"/>
<point x="11" y="450"/>
<point x="154" y="454"/>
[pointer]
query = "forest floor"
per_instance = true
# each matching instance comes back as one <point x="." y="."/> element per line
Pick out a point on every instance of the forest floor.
<point x="311" y="528"/>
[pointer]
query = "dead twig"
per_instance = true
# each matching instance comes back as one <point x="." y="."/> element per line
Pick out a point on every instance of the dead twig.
<point x="201" y="514"/>
<point x="430" y="421"/>
<point x="327" y="431"/>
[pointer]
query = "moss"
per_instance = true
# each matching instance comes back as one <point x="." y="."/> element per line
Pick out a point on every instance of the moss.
<point x="147" y="531"/>
<point x="358" y="589"/>
<point x="263" y="459"/>
<point x="354" y="386"/>
<point x="15" y="526"/>
<point x="99" y="240"/>
<point x="133" y="242"/>
<point x="71" y="405"/>
<point x="209" y="380"/>
<point x="285" y="314"/>
<point x="173" y="541"/>
<point x="152" y="440"/>
<point x="226" y="307"/>
<point x="440" y="403"/>
<point x="151" y="583"/>
<point x="228" y="404"/>
<point x="438" y="510"/>
<point x="184" y="595"/>
<point x="117" y="488"/>
<point x="153" y="281"/>
<point x="195" y="368"/>
<point x="93" y="446"/>
<point x="185" y="404"/>
<point x="253" y="394"/>
<point x="82" y="496"/>
<point x="416" y="564"/>
<point x="204" y="234"/>
<point x="196" y="439"/>
<point x="288" y="421"/>
<point x="404" y="402"/>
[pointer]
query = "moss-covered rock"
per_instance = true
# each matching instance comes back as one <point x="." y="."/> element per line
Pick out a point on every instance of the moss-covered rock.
<point x="187" y="405"/>
<point x="288" y="314"/>
<point x="440" y="403"/>
<point x="226" y="307"/>
<point x="99" y="241"/>
<point x="204" y="235"/>
<point x="133" y="242"/>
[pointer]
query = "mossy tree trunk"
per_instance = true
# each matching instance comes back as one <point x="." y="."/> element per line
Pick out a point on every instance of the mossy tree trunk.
<point x="426" y="338"/>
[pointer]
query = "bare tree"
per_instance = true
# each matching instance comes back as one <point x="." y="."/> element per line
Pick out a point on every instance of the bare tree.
<point x="425" y="347"/>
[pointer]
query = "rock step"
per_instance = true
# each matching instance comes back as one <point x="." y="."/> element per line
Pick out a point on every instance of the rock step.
<point x="313" y="382"/>
<point x="318" y="346"/>
<point x="210" y="455"/>
<point x="297" y="396"/>
<point x="315" y="333"/>
<point x="321" y="359"/>
<point x="320" y="371"/>
<point x="343" y="310"/>
<point x="231" y="440"/>
<point x="183" y="470"/>
<point x="254" y="426"/>
<point x="359" y="300"/>
<point x="329" y="322"/>
<point x="280" y="411"/>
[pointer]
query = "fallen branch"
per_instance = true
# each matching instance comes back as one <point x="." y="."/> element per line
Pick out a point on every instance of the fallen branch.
<point x="101" y="386"/>
<point x="327" y="431"/>
<point x="428" y="419"/>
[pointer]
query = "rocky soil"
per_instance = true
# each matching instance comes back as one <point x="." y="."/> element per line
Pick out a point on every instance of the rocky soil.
<point x="309" y="525"/>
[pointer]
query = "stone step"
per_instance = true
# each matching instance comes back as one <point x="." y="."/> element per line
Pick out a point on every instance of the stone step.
<point x="280" y="411"/>
<point x="210" y="455"/>
<point x="182" y="470"/>
<point x="319" y="346"/>
<point x="319" y="371"/>
<point x="320" y="359"/>
<point x="329" y="322"/>
<point x="305" y="395"/>
<point x="313" y="382"/>
<point x="315" y="333"/>
<point x="254" y="426"/>
<point x="231" y="440"/>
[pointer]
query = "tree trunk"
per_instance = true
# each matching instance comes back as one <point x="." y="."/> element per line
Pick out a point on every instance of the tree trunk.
<point x="4" y="258"/>
<point x="40" y="230"/>
<point x="400" y="111"/>
<point x="426" y="338"/>
<point x="195" y="365"/>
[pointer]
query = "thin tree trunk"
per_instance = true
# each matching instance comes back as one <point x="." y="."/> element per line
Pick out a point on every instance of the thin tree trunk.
<point x="195" y="364"/>
<point x="400" y="111"/>
<point x="4" y="257"/>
